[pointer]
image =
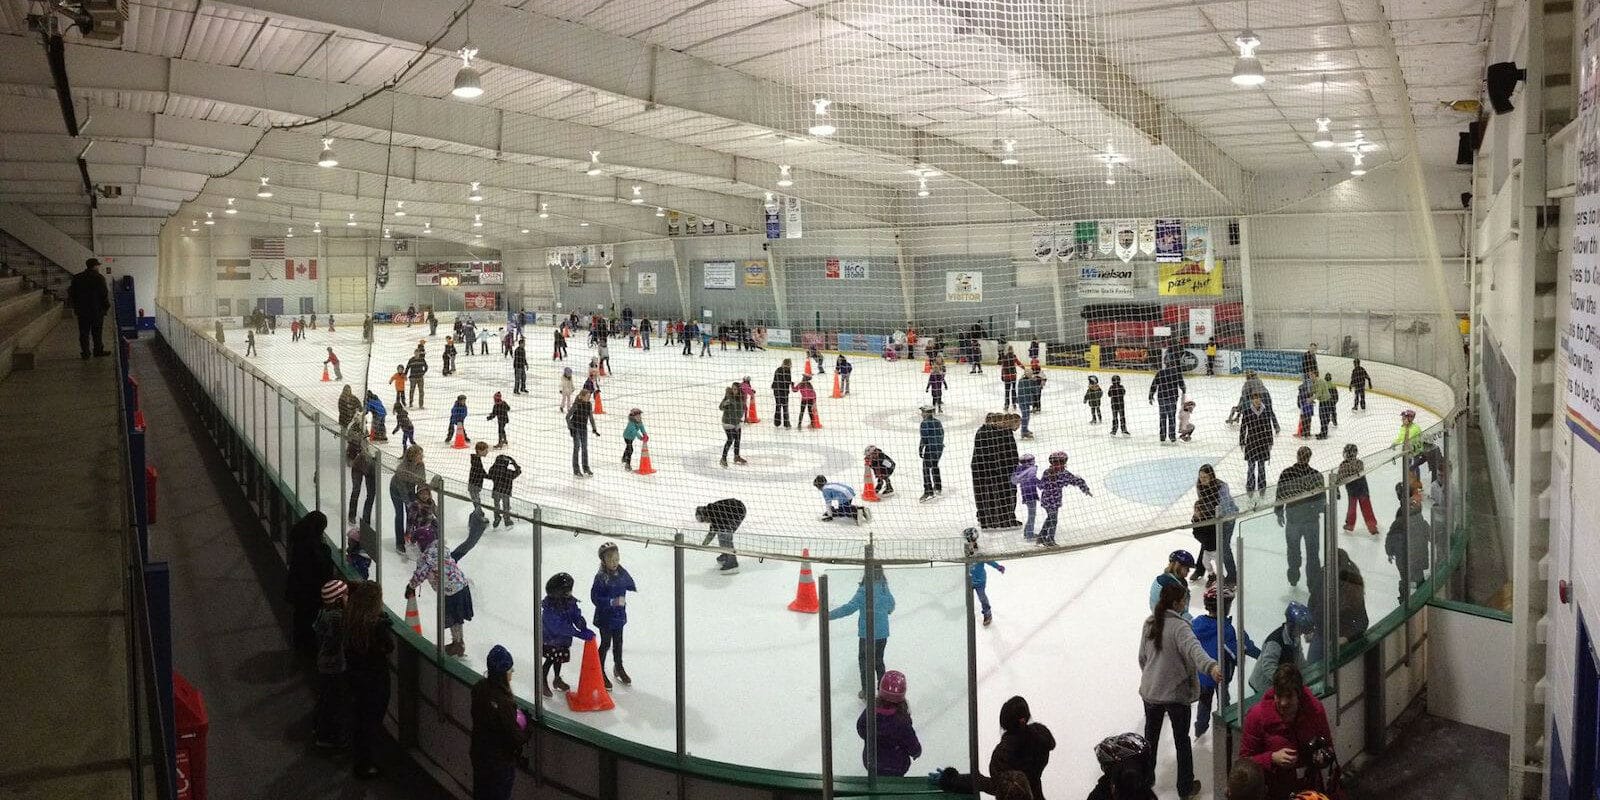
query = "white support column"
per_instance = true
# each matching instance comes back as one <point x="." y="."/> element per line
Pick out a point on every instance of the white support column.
<point x="680" y="273"/>
<point x="907" y="286"/>
<point x="780" y="284"/>
<point x="1056" y="292"/>
<point x="1245" y="284"/>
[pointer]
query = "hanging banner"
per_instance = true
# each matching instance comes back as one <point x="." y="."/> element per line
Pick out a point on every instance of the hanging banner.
<point x="1189" y="278"/>
<point x="1101" y="281"/>
<point x="1108" y="236"/>
<point x="755" y="273"/>
<point x="381" y="272"/>
<point x="647" y="283"/>
<point x="1202" y="324"/>
<point x="1169" y="241"/>
<point x="720" y="275"/>
<point x="1197" y="245"/>
<point x="575" y="276"/>
<point x="1063" y="239"/>
<point x="605" y="255"/>
<point x="1083" y="239"/>
<point x="1580" y="338"/>
<point x="674" y="223"/>
<point x="708" y="226"/>
<point x="691" y="225"/>
<point x="1044" y="246"/>
<point x="962" y="286"/>
<point x="792" y="228"/>
<point x="774" y="223"/>
<point x="1147" y="237"/>
<point x="1127" y="242"/>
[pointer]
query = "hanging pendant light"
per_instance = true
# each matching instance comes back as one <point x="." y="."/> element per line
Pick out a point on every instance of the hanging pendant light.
<point x="477" y="220"/>
<point x="1111" y="174"/>
<point x="544" y="211"/>
<point x="1324" y="132"/>
<point x="399" y="208"/>
<point x="386" y="233"/>
<point x="263" y="191"/>
<point x="230" y="209"/>
<point x="922" y="187"/>
<point x="316" y="227"/>
<point x="660" y="212"/>
<point x="427" y="228"/>
<point x="1356" y="168"/>
<point x="785" y="180"/>
<point x="1008" y="155"/>
<point x="638" y="199"/>
<point x="475" y="194"/>
<point x="350" y="223"/>
<point x="209" y="219"/>
<point x="290" y="233"/>
<point x="469" y="83"/>
<point x="594" y="164"/>
<point x="327" y="159"/>
<point x="821" y="125"/>
<point x="1247" y="68"/>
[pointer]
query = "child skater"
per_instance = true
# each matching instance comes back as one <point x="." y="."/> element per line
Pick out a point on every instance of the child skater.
<point x="566" y="388"/>
<point x="457" y="594"/>
<point x="936" y="383"/>
<point x="1205" y="630"/>
<point x="1205" y="532"/>
<point x="1119" y="410"/>
<point x="501" y="413"/>
<point x="403" y="426"/>
<point x="816" y="355"/>
<point x="380" y="426"/>
<point x="1185" y="421"/>
<point x="1091" y="397"/>
<point x="560" y="351"/>
<point x="633" y="430"/>
<point x="978" y="577"/>
<point x="1055" y="478"/>
<point x="808" y="400"/>
<point x="1333" y="400"/>
<point x="562" y="620"/>
<point x="843" y="366"/>
<point x="882" y="467"/>
<point x="747" y="391"/>
<point x="897" y="744"/>
<point x="1026" y="478"/>
<point x="398" y="381"/>
<point x="610" y="597"/>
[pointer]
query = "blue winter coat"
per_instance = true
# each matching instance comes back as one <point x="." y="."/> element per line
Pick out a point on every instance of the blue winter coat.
<point x="1205" y="629"/>
<point x="607" y="589"/>
<point x="1026" y="478"/>
<point x="882" y="607"/>
<point x="458" y="413"/>
<point x="932" y="442"/>
<point x="563" y="619"/>
<point x="979" y="575"/>
<point x="376" y="407"/>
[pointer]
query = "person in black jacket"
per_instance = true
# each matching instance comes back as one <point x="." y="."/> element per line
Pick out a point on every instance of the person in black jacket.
<point x="782" y="383"/>
<point x="1167" y="387"/>
<point x="368" y="641"/>
<point x="476" y="473"/>
<point x="499" y="730"/>
<point x="1360" y="382"/>
<point x="1117" y="394"/>
<point x="503" y="473"/>
<point x="416" y="367"/>
<point x="501" y="413"/>
<point x="724" y="516"/>
<point x="1024" y="747"/>
<point x="310" y="566"/>
<point x="90" y="299"/>
<point x="519" y="368"/>
<point x="994" y="456"/>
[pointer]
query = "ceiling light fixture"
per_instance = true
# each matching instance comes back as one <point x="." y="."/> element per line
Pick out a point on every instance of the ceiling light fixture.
<point x="194" y="226"/>
<point x="660" y="212"/>
<point x="544" y="211"/>
<point x="1324" y="133"/>
<point x="525" y="230"/>
<point x="326" y="159"/>
<point x="477" y="220"/>
<point x="399" y="208"/>
<point x="821" y="126"/>
<point x="638" y="199"/>
<point x="209" y="220"/>
<point x="475" y="194"/>
<point x="469" y="82"/>
<point x="1111" y="175"/>
<point x="785" y="180"/>
<point x="290" y="234"/>
<point x="230" y="209"/>
<point x="427" y="228"/>
<point x="351" y="222"/>
<point x="1009" y="156"/>
<point x="1247" y="68"/>
<point x="922" y="187"/>
<point x="386" y="233"/>
<point x="594" y="164"/>
<point x="316" y="227"/>
<point x="583" y="224"/>
<point x="1355" y="164"/>
<point x="768" y="202"/>
<point x="263" y="192"/>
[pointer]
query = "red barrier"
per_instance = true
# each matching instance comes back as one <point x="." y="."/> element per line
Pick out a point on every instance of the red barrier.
<point x="192" y="723"/>
<point x="152" y="479"/>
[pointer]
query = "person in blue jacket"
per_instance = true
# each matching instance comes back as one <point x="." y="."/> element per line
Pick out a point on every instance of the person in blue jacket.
<point x="930" y="446"/>
<point x="843" y="366"/>
<point x="562" y="619"/>
<point x="610" y="597"/>
<point x="978" y="578"/>
<point x="380" y="427"/>
<point x="877" y="632"/>
<point x="458" y="416"/>
<point x="1205" y="629"/>
<point x="838" y="500"/>
<point x="1179" y="563"/>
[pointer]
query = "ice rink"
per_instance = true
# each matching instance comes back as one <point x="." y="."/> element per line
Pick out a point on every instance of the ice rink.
<point x="1066" y="626"/>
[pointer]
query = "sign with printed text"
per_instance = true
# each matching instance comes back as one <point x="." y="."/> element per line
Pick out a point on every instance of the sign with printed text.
<point x="720" y="275"/>
<point x="1202" y="324"/>
<point x="755" y="273"/>
<point x="1106" y="281"/>
<point x="792" y="222"/>
<point x="484" y="301"/>
<point x="1189" y="278"/>
<point x="460" y="273"/>
<point x="1580" y="338"/>
<point x="647" y="283"/>
<point x="782" y="336"/>
<point x="849" y="269"/>
<point x="963" y="286"/>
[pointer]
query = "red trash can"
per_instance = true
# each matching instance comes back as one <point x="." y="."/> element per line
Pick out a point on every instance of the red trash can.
<point x="189" y="708"/>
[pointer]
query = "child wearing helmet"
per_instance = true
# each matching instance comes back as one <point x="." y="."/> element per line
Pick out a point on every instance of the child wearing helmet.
<point x="1051" y="483"/>
<point x="1282" y="647"/>
<point x="1124" y="769"/>
<point x="501" y="414"/>
<point x="609" y="593"/>
<point x="1026" y="478"/>
<point x="977" y="577"/>
<point x="896" y="744"/>
<point x="882" y="468"/>
<point x="1205" y="629"/>
<point x="1186" y="421"/>
<point x="562" y="619"/>
<point x="566" y="388"/>
<point x="633" y="430"/>
<point x="1179" y="563"/>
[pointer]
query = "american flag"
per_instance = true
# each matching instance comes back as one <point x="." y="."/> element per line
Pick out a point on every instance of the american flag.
<point x="266" y="249"/>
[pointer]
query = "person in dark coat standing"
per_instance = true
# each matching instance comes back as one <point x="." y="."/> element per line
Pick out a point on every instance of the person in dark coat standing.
<point x="499" y="730"/>
<point x="1024" y="747"/>
<point x="368" y="641"/>
<point x="930" y="446"/>
<point x="782" y="384"/>
<point x="1166" y="388"/>
<point x="1257" y="427"/>
<point x="994" y="456"/>
<point x="310" y="566"/>
<point x="90" y="299"/>
<point x="519" y="368"/>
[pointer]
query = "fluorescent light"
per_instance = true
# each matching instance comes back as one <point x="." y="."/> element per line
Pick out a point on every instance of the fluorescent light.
<point x="230" y="209"/>
<point x="525" y="230"/>
<point x="821" y="126"/>
<point x="1247" y="68"/>
<point x="922" y="187"/>
<point x="399" y="208"/>
<point x="263" y="192"/>
<point x="475" y="194"/>
<point x="290" y="234"/>
<point x="327" y="159"/>
<point x="660" y="212"/>
<point x="785" y="180"/>
<point x="386" y="233"/>
<point x="594" y="164"/>
<point x="468" y="80"/>
<point x="583" y="224"/>
<point x="638" y="199"/>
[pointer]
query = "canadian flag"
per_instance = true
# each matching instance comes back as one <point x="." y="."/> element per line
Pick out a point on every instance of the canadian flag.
<point x="305" y="268"/>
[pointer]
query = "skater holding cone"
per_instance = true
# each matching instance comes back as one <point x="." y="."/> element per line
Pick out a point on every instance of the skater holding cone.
<point x="562" y="620"/>
<point x="457" y="594"/>
<point x="808" y="400"/>
<point x="633" y="430"/>
<point x="610" y="597"/>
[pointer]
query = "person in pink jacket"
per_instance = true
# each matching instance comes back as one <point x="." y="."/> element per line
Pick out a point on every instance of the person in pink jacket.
<point x="808" y="400"/>
<point x="1286" y="734"/>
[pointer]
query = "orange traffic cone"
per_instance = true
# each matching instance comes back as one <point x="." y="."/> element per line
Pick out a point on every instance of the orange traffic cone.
<point x="836" y="393"/>
<point x="805" y="595"/>
<point x="750" y="412"/>
<point x="413" y="617"/>
<point x="599" y="408"/>
<point x="325" y="377"/>
<point x="591" y="694"/>
<point x="927" y="366"/>
<point x="461" y="438"/>
<point x="816" y="421"/>
<point x="645" y="467"/>
<point x="870" y="492"/>
<point x="808" y="366"/>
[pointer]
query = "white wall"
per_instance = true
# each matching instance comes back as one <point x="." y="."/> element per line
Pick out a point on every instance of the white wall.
<point x="130" y="245"/>
<point x="47" y="240"/>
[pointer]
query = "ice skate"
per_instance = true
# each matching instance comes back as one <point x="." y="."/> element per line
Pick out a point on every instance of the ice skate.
<point x="739" y="460"/>
<point x="1192" y="792"/>
<point x="887" y="490"/>
<point x="607" y="679"/>
<point x="587" y="473"/>
<point x="622" y="675"/>
<point x="455" y="649"/>
<point x="863" y="516"/>
<point x="724" y="463"/>
<point x="561" y="685"/>
<point x="728" y="569"/>
<point x="987" y="618"/>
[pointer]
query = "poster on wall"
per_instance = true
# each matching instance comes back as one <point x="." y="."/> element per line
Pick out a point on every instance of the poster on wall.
<point x="381" y="277"/>
<point x="849" y="269"/>
<point x="481" y="301"/>
<point x="233" y="269"/>
<point x="774" y="223"/>
<point x="755" y="273"/>
<point x="674" y="223"/>
<point x="1202" y="324"/>
<point x="1147" y="236"/>
<point x="1189" y="278"/>
<point x="1169" y="241"/>
<point x="1106" y="281"/>
<point x="1127" y="242"/>
<point x="1108" y="236"/>
<point x="1580" y="339"/>
<point x="647" y="283"/>
<point x="1197" y="245"/>
<point x="1044" y="246"/>
<point x="792" y="228"/>
<point x="720" y="275"/>
<point x="963" y="286"/>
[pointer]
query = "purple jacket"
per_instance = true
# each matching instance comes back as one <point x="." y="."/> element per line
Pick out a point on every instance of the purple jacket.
<point x="1052" y="482"/>
<point x="1026" y="478"/>
<point x="897" y="741"/>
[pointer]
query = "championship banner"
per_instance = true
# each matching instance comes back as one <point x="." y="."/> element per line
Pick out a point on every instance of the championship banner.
<point x="720" y="275"/>
<point x="1108" y="236"/>
<point x="1189" y="278"/>
<point x="1197" y="245"/>
<point x="1083" y="239"/>
<point x="962" y="286"/>
<point x="792" y="228"/>
<point x="485" y="301"/>
<point x="1169" y="241"/>
<point x="707" y="226"/>
<point x="1147" y="237"/>
<point x="674" y="223"/>
<point x="1044" y="246"/>
<point x="691" y="225"/>
<point x="647" y="283"/>
<point x="1580" y="338"/>
<point x="381" y="277"/>
<point x="1202" y="324"/>
<point x="774" y="223"/>
<point x="1102" y="281"/>
<point x="1127" y="242"/>
<point x="755" y="273"/>
<point x="233" y="269"/>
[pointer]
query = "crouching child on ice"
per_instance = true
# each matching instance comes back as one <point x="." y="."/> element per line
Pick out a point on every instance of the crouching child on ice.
<point x="838" y="500"/>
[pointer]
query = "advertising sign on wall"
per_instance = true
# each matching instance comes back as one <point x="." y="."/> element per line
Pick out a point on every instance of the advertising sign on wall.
<point x="720" y="275"/>
<point x="1106" y="281"/>
<point x="481" y="301"/>
<point x="1202" y="325"/>
<point x="1189" y="278"/>
<point x="647" y="283"/>
<point x="755" y="273"/>
<point x="1272" y="362"/>
<point x="780" y="336"/>
<point x="963" y="286"/>
<point x="845" y="269"/>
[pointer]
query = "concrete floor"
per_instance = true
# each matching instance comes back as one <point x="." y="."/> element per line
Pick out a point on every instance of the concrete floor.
<point x="1436" y="759"/>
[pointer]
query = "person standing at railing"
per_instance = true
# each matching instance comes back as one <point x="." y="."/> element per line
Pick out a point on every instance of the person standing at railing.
<point x="1257" y="429"/>
<point x="499" y="730"/>
<point x="1351" y="475"/>
<point x="363" y="472"/>
<point x="872" y="632"/>
<point x="503" y="473"/>
<point x="349" y="407"/>
<point x="1409" y="441"/>
<point x="368" y="641"/>
<point x="328" y="718"/>
<point x="90" y="298"/>
<point x="310" y="566"/>
<point x="1301" y="519"/>
<point x="408" y="475"/>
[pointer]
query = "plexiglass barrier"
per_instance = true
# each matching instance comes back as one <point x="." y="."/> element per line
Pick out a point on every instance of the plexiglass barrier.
<point x="704" y="674"/>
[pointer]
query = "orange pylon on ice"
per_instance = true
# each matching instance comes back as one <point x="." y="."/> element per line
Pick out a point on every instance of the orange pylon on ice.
<point x="325" y="377"/>
<point x="870" y="492"/>
<point x="413" y="617"/>
<point x="599" y="408"/>
<point x="836" y="393"/>
<point x="750" y="412"/>
<point x="645" y="467"/>
<point x="591" y="694"/>
<point x="805" y="594"/>
<point x="461" y="438"/>
<point x="816" y="421"/>
<point x="808" y="366"/>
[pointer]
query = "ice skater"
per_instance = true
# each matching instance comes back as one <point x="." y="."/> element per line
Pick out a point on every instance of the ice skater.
<point x="782" y="384"/>
<point x="1205" y="629"/>
<point x="503" y="473"/>
<point x="732" y="408"/>
<point x="559" y="353"/>
<point x="1055" y="478"/>
<point x="634" y="430"/>
<point x="1091" y="398"/>
<point x="1029" y="389"/>
<point x="881" y="467"/>
<point x="398" y="381"/>
<point x="566" y="388"/>
<point x="1322" y="390"/>
<point x="814" y="354"/>
<point x="609" y="593"/>
<point x="1333" y="400"/>
<point x="1303" y="400"/>
<point x="1302" y="519"/>
<point x="580" y="422"/>
<point x="1351" y="475"/>
<point x="1008" y="375"/>
<point x="977" y="577"/>
<point x="458" y="420"/>
<point x="380" y="426"/>
<point x="562" y="620"/>
<point x="602" y="356"/>
<point x="416" y="368"/>
<point x="1179" y="564"/>
<point x="476" y="475"/>
<point x="501" y="414"/>
<point x="1165" y="390"/>
<point x="1026" y="478"/>
<point x="250" y="346"/>
<point x="935" y="387"/>
<point x="333" y="361"/>
<point x="930" y="447"/>
<point x="1360" y="382"/>
<point x="808" y="401"/>
<point x="457" y="594"/>
<point x="843" y="367"/>
<point x="724" y="516"/>
<point x="1257" y="429"/>
<point x="1118" y="395"/>
<point x="519" y="368"/>
<point x="1186" y="420"/>
<point x="838" y="500"/>
<point x="872" y="631"/>
<point x="449" y="366"/>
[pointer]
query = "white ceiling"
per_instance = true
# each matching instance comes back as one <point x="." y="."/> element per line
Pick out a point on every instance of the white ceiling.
<point x="697" y="102"/>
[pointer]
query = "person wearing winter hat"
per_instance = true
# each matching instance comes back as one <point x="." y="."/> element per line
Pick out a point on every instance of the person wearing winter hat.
<point x="1024" y="747"/>
<point x="499" y="730"/>
<point x="329" y="627"/>
<point x="886" y="728"/>
<point x="501" y="413"/>
<point x="1026" y="478"/>
<point x="633" y="430"/>
<point x="566" y="388"/>
<point x="561" y="619"/>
